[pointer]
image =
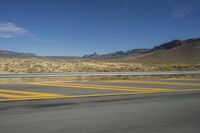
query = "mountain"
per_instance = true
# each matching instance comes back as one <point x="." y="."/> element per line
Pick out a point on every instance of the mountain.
<point x="4" y="53"/>
<point x="92" y="56"/>
<point x="133" y="52"/>
<point x="168" y="45"/>
<point x="177" y="51"/>
<point x="60" y="57"/>
<point x="12" y="54"/>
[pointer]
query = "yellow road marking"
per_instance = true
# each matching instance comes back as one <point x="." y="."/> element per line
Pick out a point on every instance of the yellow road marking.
<point x="15" y="95"/>
<point x="94" y="95"/>
<point x="78" y="96"/>
<point x="21" y="97"/>
<point x="23" y="92"/>
<point x="184" y="90"/>
<point x="184" y="79"/>
<point x="98" y="87"/>
<point x="128" y="93"/>
<point x="31" y="98"/>
<point x="101" y="87"/>
<point x="153" y="82"/>
<point x="9" y="95"/>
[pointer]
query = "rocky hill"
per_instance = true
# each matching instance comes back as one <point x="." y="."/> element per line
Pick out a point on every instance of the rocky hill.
<point x="177" y="51"/>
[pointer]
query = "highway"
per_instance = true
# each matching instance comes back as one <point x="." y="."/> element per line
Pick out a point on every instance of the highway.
<point x="119" y="106"/>
<point x="22" y="75"/>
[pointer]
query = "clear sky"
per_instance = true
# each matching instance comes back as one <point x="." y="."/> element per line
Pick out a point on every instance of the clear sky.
<point x="78" y="27"/>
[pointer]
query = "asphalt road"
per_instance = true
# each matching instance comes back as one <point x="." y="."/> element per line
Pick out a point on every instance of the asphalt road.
<point x="163" y="107"/>
<point x="66" y="74"/>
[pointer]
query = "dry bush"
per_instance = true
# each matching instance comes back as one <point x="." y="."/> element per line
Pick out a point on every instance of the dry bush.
<point x="38" y="65"/>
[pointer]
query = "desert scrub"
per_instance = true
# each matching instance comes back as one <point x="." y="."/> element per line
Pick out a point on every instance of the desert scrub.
<point x="38" y="65"/>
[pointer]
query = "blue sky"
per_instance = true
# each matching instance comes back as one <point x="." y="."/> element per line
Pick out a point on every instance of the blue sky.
<point x="78" y="27"/>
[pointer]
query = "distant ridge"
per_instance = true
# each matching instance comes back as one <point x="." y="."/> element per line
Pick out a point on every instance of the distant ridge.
<point x="176" y="51"/>
<point x="133" y="52"/>
<point x="5" y="53"/>
<point x="168" y="45"/>
<point x="12" y="54"/>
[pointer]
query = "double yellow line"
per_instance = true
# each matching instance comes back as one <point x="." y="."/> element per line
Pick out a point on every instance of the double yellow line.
<point x="103" y="87"/>
<point x="154" y="82"/>
<point x="18" y="94"/>
<point x="182" y="79"/>
<point x="124" y="89"/>
<point x="10" y="95"/>
<point x="120" y="90"/>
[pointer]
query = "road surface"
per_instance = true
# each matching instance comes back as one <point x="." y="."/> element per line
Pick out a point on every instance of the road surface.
<point x="119" y="106"/>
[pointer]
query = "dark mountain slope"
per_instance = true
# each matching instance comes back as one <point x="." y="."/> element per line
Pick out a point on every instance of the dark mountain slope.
<point x="187" y="51"/>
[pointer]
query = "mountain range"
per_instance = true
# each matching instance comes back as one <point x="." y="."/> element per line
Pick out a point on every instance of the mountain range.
<point x="176" y="51"/>
<point x="5" y="53"/>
